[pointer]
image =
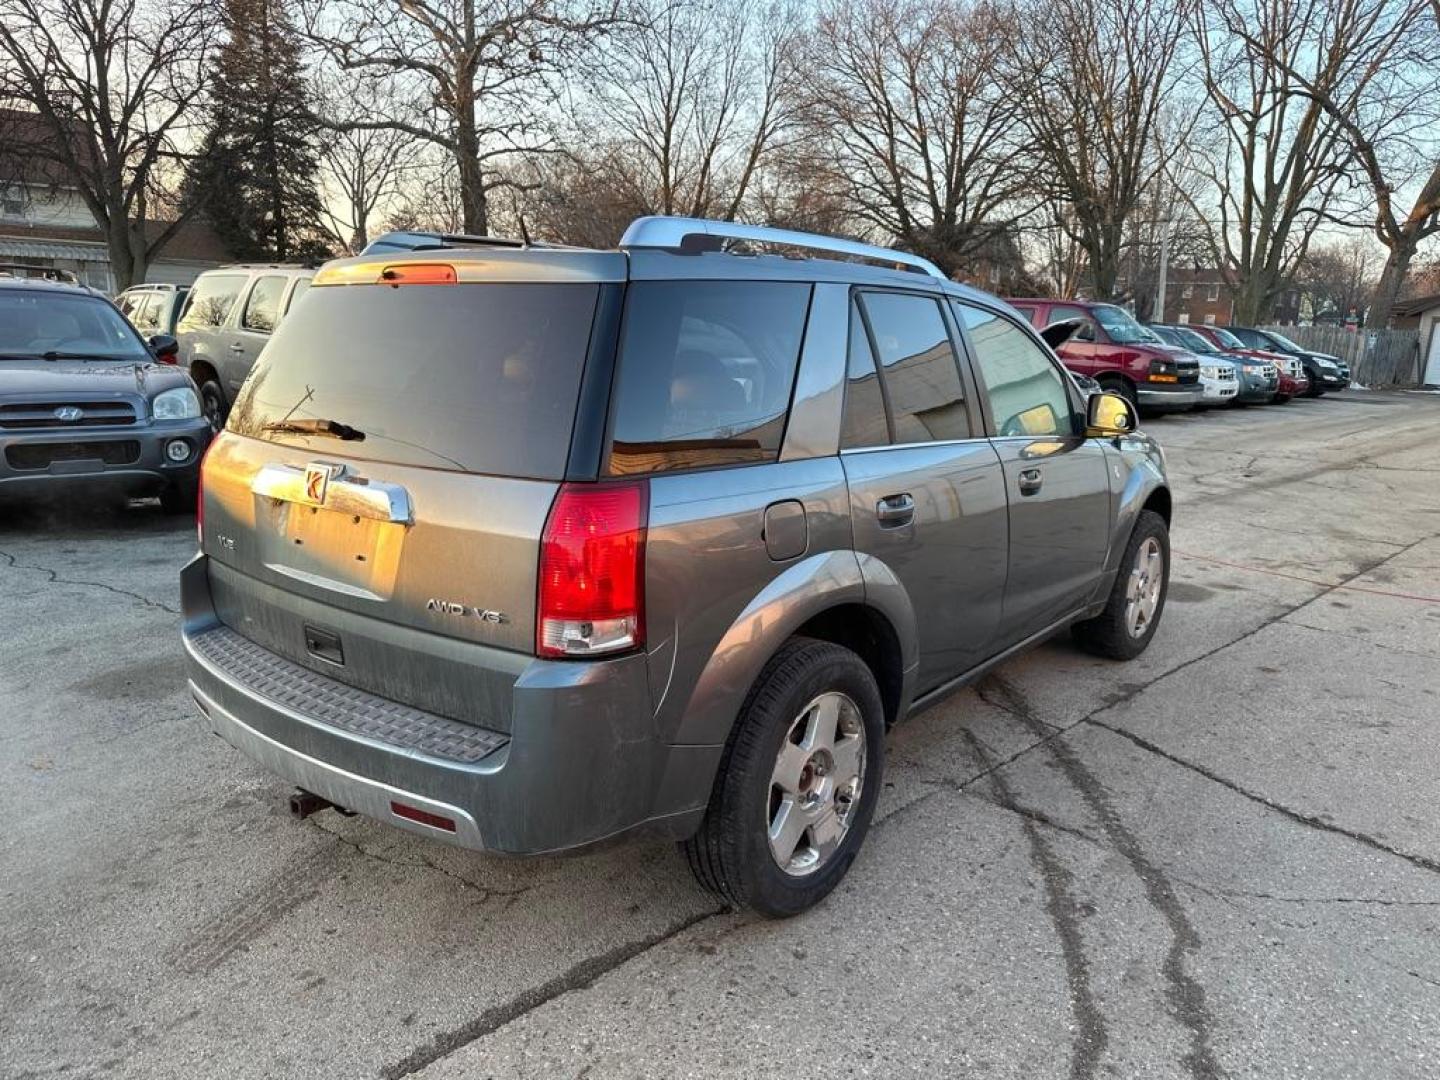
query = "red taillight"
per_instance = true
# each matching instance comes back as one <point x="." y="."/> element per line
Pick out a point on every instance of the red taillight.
<point x="592" y="571"/>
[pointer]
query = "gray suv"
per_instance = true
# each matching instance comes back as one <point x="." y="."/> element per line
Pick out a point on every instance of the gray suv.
<point x="526" y="548"/>
<point x="226" y="321"/>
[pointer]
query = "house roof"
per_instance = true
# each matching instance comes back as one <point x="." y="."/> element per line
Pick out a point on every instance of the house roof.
<point x="1415" y="305"/>
<point x="28" y="150"/>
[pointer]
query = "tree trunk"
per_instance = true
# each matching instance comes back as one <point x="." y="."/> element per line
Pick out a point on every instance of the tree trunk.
<point x="1393" y="277"/>
<point x="1253" y="301"/>
<point x="472" y="176"/>
<point x="126" y="245"/>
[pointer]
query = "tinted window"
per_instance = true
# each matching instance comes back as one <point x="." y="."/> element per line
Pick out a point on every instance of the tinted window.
<point x="481" y="378"/>
<point x="298" y="291"/>
<point x="922" y="382"/>
<point x="33" y="323"/>
<point x="706" y="369"/>
<point x="1026" y="391"/>
<point x="864" y="421"/>
<point x="210" y="300"/>
<point x="262" y="306"/>
<point x="1064" y="314"/>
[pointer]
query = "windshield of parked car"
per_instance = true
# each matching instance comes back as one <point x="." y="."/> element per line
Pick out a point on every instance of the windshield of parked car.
<point x="1225" y="338"/>
<point x="1121" y="327"/>
<point x="1193" y="341"/>
<point x="1283" y="341"/>
<point x="37" y="322"/>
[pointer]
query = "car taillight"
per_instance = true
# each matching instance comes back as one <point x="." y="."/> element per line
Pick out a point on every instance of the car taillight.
<point x="592" y="571"/>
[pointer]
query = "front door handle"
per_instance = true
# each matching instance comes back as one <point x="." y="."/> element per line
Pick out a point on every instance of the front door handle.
<point x="895" y="510"/>
<point x="1030" y="481"/>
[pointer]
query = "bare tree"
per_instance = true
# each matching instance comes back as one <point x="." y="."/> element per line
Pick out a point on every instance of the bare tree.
<point x="115" y="88"/>
<point x="687" y="104"/>
<point x="471" y="77"/>
<point x="904" y="115"/>
<point x="1280" y="169"/>
<point x="1339" y="278"/>
<point x="361" y="168"/>
<point x="1089" y="81"/>
<point x="1388" y="114"/>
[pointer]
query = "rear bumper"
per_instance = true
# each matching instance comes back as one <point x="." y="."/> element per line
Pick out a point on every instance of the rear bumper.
<point x="139" y="463"/>
<point x="580" y="765"/>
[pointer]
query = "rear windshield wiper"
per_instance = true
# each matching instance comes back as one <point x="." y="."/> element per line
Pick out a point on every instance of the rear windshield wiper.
<point x="331" y="428"/>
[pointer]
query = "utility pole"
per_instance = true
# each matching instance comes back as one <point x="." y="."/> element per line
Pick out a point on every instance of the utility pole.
<point x="1164" y="266"/>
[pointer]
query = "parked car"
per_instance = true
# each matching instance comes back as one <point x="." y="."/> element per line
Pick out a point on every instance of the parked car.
<point x="1219" y="375"/>
<point x="1260" y="378"/>
<point x="525" y="549"/>
<point x="153" y="309"/>
<point x="227" y="319"/>
<point x="1291" y="381"/>
<point x="86" y="402"/>
<point x="1121" y="355"/>
<point x="1324" y="371"/>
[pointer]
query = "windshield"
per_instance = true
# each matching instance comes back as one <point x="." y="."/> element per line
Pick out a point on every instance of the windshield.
<point x="1283" y="341"/>
<point x="1193" y="341"/>
<point x="1225" y="338"/>
<point x="1121" y="327"/>
<point x="39" y="322"/>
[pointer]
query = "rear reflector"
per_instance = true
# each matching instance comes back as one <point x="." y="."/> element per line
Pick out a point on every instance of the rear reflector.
<point x="592" y="571"/>
<point x="418" y="274"/>
<point x="424" y="817"/>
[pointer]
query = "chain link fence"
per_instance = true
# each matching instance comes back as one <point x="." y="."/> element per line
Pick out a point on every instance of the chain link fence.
<point x="1377" y="358"/>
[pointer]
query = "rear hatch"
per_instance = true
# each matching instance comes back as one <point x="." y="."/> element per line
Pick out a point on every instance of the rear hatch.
<point x="375" y="507"/>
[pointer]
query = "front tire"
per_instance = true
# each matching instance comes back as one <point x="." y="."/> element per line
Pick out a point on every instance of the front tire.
<point x="213" y="404"/>
<point x="797" y="784"/>
<point x="1137" y="599"/>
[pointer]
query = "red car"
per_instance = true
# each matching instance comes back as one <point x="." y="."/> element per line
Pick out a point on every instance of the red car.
<point x="1118" y="353"/>
<point x="1293" y="381"/>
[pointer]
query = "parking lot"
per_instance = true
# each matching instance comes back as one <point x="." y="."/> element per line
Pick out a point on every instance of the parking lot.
<point x="1221" y="859"/>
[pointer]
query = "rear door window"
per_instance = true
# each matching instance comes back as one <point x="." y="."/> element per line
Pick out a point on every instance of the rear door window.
<point x="917" y="363"/>
<point x="473" y="378"/>
<point x="706" y="370"/>
<point x="262" y="306"/>
<point x="210" y="300"/>
<point x="863" y="423"/>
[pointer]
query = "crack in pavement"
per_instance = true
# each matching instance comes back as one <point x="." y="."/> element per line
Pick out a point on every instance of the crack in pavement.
<point x="1381" y="901"/>
<point x="1185" y="994"/>
<point x="56" y="579"/>
<point x="1089" y="1039"/>
<point x="421" y="862"/>
<point x="579" y="977"/>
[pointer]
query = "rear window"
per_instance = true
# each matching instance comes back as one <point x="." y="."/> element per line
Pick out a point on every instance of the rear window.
<point x="477" y="378"/>
<point x="706" y="369"/>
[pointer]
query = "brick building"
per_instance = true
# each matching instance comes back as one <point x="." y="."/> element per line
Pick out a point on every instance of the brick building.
<point x="1201" y="295"/>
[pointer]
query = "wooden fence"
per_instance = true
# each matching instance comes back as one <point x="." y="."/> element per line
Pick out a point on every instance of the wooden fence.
<point x="1377" y="358"/>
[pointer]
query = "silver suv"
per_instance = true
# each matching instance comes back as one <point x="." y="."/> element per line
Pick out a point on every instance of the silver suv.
<point x="525" y="548"/>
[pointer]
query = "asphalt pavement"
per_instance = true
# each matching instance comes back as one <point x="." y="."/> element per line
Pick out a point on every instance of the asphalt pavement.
<point x="1221" y="859"/>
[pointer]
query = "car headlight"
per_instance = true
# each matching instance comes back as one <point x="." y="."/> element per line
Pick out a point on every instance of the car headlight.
<point x="1254" y="369"/>
<point x="177" y="404"/>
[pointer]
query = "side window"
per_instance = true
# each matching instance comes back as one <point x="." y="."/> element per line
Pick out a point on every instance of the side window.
<point x="127" y="302"/>
<point x="301" y="285"/>
<point x="211" y="300"/>
<point x="705" y="373"/>
<point x="863" y="422"/>
<point x="922" y="381"/>
<point x="146" y="315"/>
<point x="262" y="306"/>
<point x="1086" y="332"/>
<point x="1026" y="391"/>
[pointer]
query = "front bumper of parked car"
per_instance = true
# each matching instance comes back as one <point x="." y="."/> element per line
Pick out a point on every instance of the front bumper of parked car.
<point x="1166" y="397"/>
<point x="128" y="458"/>
<point x="1258" y="387"/>
<point x="1219" y="390"/>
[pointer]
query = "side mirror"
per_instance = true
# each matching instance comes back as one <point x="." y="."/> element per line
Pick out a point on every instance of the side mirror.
<point x="165" y="348"/>
<point x="1107" y="415"/>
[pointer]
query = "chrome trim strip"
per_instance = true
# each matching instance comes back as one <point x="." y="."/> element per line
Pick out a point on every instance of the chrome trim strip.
<point x="673" y="232"/>
<point x="345" y="493"/>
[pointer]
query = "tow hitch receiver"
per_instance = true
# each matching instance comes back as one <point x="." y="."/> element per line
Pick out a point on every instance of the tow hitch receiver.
<point x="304" y="803"/>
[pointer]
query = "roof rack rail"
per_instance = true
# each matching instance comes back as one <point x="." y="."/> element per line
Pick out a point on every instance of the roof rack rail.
<point x="406" y="240"/>
<point x="698" y="234"/>
<point x="44" y="273"/>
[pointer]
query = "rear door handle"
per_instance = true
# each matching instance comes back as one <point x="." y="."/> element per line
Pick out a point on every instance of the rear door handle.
<point x="1030" y="481"/>
<point x="895" y="510"/>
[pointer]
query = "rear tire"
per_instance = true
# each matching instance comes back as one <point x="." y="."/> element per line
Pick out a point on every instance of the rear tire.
<point x="753" y="811"/>
<point x="1137" y="599"/>
<point x="213" y="404"/>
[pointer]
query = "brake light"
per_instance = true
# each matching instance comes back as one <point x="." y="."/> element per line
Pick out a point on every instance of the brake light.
<point x="418" y="274"/>
<point x="592" y="571"/>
